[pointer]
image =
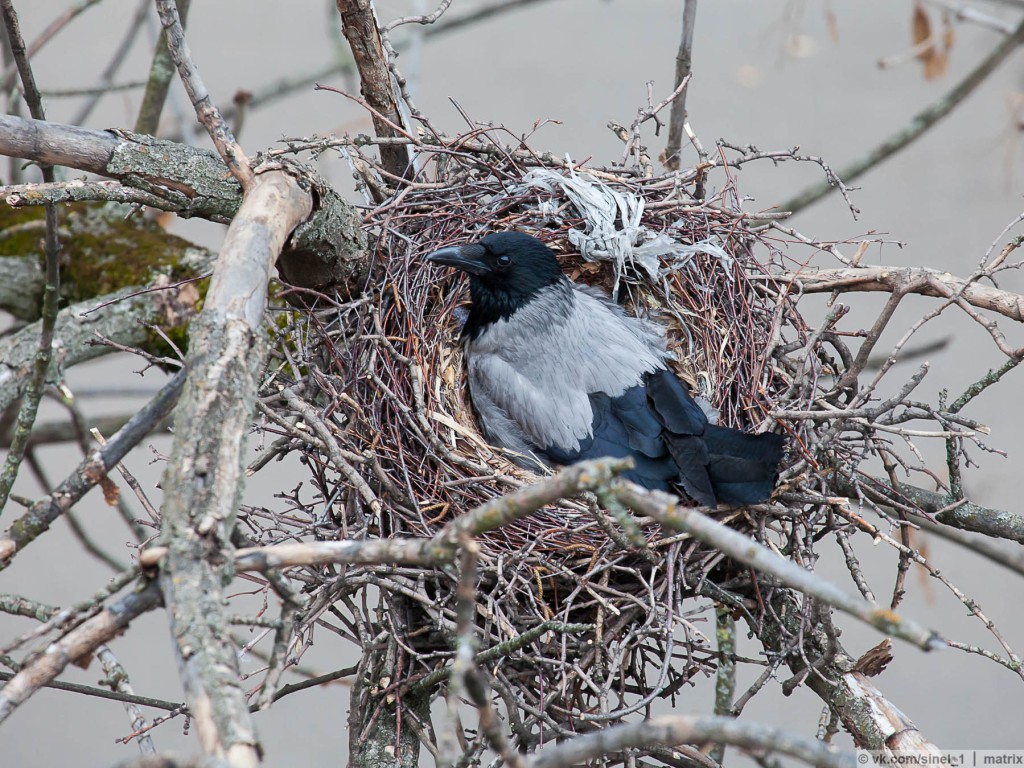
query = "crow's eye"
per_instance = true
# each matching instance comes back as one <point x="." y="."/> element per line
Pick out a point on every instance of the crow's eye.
<point x="504" y="260"/>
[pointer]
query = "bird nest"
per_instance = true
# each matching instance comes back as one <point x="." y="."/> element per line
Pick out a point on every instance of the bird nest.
<point x="399" y="454"/>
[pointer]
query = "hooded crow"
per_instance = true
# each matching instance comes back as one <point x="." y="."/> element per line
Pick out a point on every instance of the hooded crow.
<point x="559" y="373"/>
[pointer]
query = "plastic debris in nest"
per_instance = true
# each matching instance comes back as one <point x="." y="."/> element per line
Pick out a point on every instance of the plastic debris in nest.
<point x="614" y="230"/>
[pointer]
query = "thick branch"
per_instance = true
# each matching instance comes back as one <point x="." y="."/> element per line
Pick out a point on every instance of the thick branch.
<point x="360" y="29"/>
<point x="192" y="180"/>
<point x="684" y="59"/>
<point x="968" y="516"/>
<point x="666" y="510"/>
<point x="920" y="280"/>
<point x="673" y="730"/>
<point x="202" y="483"/>
<point x="327" y="251"/>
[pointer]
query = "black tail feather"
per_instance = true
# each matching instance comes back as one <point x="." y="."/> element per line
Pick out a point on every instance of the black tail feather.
<point x="743" y="467"/>
<point x="716" y="464"/>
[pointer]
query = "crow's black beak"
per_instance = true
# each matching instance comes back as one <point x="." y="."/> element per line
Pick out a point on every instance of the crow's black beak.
<point x="468" y="258"/>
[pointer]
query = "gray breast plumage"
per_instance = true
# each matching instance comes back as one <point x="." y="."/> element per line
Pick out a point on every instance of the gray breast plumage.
<point x="531" y="374"/>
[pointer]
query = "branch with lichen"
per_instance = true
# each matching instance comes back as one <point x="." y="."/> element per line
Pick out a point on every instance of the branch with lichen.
<point x="667" y="511"/>
<point x="326" y="251"/>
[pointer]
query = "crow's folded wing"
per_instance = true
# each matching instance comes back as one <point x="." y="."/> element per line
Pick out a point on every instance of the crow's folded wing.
<point x="716" y="464"/>
<point x="538" y="368"/>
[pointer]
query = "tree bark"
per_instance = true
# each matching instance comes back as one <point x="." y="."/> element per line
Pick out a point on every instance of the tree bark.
<point x="202" y="483"/>
<point x="327" y="252"/>
<point x="873" y="721"/>
<point x="359" y="26"/>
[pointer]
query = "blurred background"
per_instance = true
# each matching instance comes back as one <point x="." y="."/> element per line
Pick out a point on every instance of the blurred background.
<point x="770" y="74"/>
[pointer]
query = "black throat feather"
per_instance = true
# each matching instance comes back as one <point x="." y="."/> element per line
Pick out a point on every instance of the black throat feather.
<point x="491" y="303"/>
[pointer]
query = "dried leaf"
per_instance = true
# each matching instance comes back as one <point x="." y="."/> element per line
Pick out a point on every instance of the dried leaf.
<point x="111" y="493"/>
<point x="935" y="65"/>
<point x="832" y="22"/>
<point x="922" y="33"/>
<point x="875" y="659"/>
<point x="83" y="661"/>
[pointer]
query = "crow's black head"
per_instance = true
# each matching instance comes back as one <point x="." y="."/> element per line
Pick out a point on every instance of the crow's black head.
<point x="505" y="270"/>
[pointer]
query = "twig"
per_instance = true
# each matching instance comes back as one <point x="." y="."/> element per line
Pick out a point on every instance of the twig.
<point x="101" y="693"/>
<point x="74" y="524"/>
<point x="503" y="649"/>
<point x="312" y="682"/>
<point x="666" y="510"/>
<point x="10" y="75"/>
<point x="117" y="679"/>
<point x="962" y="12"/>
<point x="136" y="487"/>
<point x="340" y="463"/>
<point x="436" y="551"/>
<point x="90" y="472"/>
<point x="451" y="741"/>
<point x="49" y="432"/>
<point x="78" y="190"/>
<point x="1006" y="557"/>
<point x="80" y="642"/>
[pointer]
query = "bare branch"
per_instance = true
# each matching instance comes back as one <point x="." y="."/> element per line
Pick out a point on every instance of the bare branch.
<point x="327" y="252"/>
<point x="43" y="513"/>
<point x="667" y="511"/>
<point x="226" y="353"/>
<point x="78" y="643"/>
<point x="436" y="551"/>
<point x="684" y="59"/>
<point x="966" y="516"/>
<point x="920" y="280"/>
<point x="359" y="26"/>
<point x="51" y="291"/>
